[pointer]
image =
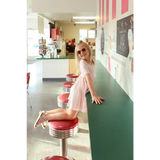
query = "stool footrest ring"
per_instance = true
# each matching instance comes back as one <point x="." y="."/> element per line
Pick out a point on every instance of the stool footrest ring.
<point x="63" y="134"/>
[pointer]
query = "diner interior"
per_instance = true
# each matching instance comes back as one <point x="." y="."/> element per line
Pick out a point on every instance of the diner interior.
<point x="53" y="30"/>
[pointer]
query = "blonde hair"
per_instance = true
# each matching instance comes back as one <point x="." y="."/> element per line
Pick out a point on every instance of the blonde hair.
<point x="77" y="58"/>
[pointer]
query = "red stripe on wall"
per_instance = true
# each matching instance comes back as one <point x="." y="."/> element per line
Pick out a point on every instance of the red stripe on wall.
<point x="102" y="12"/>
<point x="107" y="11"/>
<point x="113" y="9"/>
<point x="99" y="12"/>
<point x="124" y="5"/>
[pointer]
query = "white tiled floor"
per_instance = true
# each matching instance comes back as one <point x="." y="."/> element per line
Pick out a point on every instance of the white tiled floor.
<point x="44" y="97"/>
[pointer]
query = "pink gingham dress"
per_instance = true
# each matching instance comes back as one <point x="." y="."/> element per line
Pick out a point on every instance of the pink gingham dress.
<point x="77" y="97"/>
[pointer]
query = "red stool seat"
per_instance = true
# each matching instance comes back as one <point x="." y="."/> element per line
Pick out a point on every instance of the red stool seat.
<point x="55" y="158"/>
<point x="67" y="86"/>
<point x="63" y="129"/>
<point x="62" y="100"/>
<point x="63" y="125"/>
<point x="63" y="97"/>
<point x="71" y="77"/>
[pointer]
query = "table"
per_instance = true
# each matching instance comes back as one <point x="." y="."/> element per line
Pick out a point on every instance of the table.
<point x="111" y="123"/>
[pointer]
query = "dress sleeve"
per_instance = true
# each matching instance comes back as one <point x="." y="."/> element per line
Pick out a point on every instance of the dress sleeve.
<point x="84" y="67"/>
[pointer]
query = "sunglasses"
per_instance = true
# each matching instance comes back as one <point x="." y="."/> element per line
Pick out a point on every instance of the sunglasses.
<point x="83" y="50"/>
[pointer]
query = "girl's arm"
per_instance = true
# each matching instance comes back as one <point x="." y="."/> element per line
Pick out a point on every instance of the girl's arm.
<point x="95" y="98"/>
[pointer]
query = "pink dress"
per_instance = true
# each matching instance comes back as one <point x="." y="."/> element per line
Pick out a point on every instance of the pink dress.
<point x="77" y="97"/>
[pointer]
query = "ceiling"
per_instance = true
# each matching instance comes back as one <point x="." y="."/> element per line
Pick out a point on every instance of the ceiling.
<point x="65" y="18"/>
<point x="61" y="18"/>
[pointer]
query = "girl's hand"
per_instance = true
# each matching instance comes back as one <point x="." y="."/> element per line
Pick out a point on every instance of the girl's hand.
<point x="97" y="99"/>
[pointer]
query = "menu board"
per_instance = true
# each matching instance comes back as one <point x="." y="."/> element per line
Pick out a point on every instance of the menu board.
<point x="123" y="26"/>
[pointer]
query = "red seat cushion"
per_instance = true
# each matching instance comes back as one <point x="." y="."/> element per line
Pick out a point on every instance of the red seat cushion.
<point x="64" y="97"/>
<point x="68" y="84"/>
<point x="63" y="125"/>
<point x="55" y="158"/>
<point x="72" y="75"/>
<point x="26" y="78"/>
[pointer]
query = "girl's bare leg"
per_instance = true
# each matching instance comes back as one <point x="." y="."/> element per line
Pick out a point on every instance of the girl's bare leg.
<point x="66" y="114"/>
<point x="55" y="110"/>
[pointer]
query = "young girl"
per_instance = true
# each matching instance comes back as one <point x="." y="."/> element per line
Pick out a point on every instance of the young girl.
<point x="84" y="83"/>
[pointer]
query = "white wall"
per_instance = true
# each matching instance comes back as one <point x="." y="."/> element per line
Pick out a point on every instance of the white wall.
<point x="71" y="31"/>
<point x="32" y="23"/>
<point x="122" y="73"/>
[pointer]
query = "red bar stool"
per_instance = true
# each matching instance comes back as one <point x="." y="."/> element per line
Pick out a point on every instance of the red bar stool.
<point x="63" y="130"/>
<point x="28" y="79"/>
<point x="62" y="100"/>
<point x="72" y="77"/>
<point x="55" y="158"/>
<point x="67" y="86"/>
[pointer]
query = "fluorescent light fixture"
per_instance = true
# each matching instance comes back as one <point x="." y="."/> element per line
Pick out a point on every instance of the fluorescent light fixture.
<point x="84" y="22"/>
<point x="84" y="17"/>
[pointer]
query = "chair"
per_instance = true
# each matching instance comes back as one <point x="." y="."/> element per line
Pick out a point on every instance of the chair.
<point x="28" y="78"/>
<point x="67" y="86"/>
<point x="72" y="77"/>
<point x="62" y="130"/>
<point x="62" y="100"/>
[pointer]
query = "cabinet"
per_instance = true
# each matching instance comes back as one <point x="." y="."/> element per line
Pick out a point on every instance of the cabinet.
<point x="53" y="34"/>
<point x="72" y="66"/>
<point x="70" y="48"/>
<point x="58" y="33"/>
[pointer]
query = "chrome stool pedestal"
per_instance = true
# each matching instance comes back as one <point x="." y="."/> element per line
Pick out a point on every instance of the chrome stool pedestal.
<point x="63" y="130"/>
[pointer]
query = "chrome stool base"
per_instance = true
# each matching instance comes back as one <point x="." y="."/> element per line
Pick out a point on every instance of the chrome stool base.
<point x="70" y="79"/>
<point x="62" y="104"/>
<point x="65" y="89"/>
<point x="63" y="135"/>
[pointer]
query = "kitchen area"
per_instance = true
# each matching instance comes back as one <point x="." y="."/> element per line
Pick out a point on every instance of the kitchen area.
<point x="55" y="44"/>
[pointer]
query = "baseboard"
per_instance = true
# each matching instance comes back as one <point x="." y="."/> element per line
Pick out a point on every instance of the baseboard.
<point x="54" y="79"/>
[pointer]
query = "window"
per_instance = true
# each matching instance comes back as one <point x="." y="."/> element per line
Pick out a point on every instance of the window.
<point x="33" y="37"/>
<point x="91" y="33"/>
<point x="85" y="33"/>
<point x="33" y="46"/>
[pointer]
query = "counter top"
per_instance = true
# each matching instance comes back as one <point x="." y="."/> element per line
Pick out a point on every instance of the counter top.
<point x="110" y="123"/>
<point x="45" y="58"/>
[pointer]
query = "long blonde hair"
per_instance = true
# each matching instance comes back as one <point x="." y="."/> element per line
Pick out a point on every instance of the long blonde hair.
<point x="77" y="58"/>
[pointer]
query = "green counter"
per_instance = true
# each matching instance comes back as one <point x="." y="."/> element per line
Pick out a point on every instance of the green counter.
<point x="111" y="123"/>
<point x="44" y="58"/>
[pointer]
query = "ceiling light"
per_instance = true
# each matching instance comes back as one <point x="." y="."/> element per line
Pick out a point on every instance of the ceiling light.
<point x="84" y="22"/>
<point x="84" y="17"/>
